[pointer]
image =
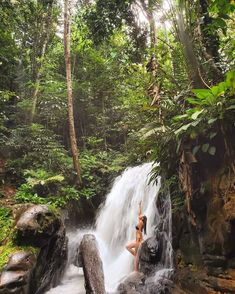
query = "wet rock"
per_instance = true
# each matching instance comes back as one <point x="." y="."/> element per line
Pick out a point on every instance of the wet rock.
<point x="92" y="265"/>
<point x="36" y="226"/>
<point x="149" y="255"/>
<point x="192" y="281"/>
<point x="215" y="271"/>
<point x="19" y="209"/>
<point x="133" y="284"/>
<point x="13" y="282"/>
<point x="20" y="261"/>
<point x="160" y="283"/>
<point x="50" y="263"/>
<point x="15" y="276"/>
<point x="214" y="260"/>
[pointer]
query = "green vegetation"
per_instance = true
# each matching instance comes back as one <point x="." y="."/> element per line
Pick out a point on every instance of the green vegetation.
<point x="6" y="223"/>
<point x="150" y="82"/>
<point x="207" y="108"/>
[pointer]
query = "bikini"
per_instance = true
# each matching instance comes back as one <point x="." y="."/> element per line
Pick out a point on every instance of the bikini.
<point x="139" y="239"/>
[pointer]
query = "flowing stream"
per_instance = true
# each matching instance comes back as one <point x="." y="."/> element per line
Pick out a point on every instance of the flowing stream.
<point x="115" y="227"/>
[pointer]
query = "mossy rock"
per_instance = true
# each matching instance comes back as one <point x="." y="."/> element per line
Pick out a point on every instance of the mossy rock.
<point x="9" y="249"/>
<point x="36" y="226"/>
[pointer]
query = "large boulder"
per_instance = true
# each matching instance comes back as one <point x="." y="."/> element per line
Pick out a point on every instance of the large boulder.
<point x="36" y="270"/>
<point x="50" y="264"/>
<point x="132" y="284"/>
<point x="92" y="265"/>
<point x="36" y="226"/>
<point x="149" y="255"/>
<point x="138" y="283"/>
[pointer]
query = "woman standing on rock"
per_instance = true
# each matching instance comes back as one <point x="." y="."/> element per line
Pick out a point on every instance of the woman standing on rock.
<point x="133" y="246"/>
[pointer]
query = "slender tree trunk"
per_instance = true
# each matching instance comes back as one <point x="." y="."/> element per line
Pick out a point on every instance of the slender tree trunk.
<point x="38" y="65"/>
<point x="152" y="28"/>
<point x="72" y="133"/>
<point x="104" y="122"/>
<point x="148" y="9"/>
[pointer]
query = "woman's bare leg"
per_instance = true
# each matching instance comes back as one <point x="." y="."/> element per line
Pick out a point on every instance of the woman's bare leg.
<point x="136" y="262"/>
<point x="131" y="247"/>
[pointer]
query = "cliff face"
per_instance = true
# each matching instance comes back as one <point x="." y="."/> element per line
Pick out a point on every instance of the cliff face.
<point x="204" y="230"/>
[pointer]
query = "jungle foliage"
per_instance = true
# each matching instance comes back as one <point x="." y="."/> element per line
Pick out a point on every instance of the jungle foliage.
<point x="148" y="78"/>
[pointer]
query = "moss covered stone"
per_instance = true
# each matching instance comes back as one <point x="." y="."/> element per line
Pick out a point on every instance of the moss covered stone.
<point x="36" y="226"/>
<point x="8" y="245"/>
<point x="10" y="248"/>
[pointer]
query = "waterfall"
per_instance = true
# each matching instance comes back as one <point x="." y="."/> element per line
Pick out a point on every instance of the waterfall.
<point x="118" y="217"/>
<point x="115" y="227"/>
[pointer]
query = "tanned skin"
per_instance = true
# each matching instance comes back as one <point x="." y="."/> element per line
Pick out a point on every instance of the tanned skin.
<point x="133" y="246"/>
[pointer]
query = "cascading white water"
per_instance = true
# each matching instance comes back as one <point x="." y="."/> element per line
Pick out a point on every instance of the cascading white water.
<point x="118" y="217"/>
<point x="115" y="227"/>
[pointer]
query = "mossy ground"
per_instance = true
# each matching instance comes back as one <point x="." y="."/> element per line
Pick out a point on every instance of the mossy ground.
<point x="7" y="236"/>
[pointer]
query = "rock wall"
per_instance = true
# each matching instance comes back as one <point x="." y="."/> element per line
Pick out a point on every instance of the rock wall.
<point x="204" y="230"/>
<point x="36" y="271"/>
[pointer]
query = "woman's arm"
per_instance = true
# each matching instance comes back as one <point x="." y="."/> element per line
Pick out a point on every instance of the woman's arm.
<point x="140" y="208"/>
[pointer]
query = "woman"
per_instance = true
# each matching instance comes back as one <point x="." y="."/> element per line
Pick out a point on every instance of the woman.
<point x="133" y="246"/>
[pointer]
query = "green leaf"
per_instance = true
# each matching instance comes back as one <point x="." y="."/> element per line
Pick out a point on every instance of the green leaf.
<point x="183" y="128"/>
<point x="193" y="101"/>
<point x="212" y="150"/>
<point x="202" y="93"/>
<point x="220" y="22"/>
<point x="196" y="122"/>
<point x="219" y="89"/>
<point x="230" y="79"/>
<point x="179" y="117"/>
<point x="211" y="120"/>
<point x="205" y="147"/>
<point x="113" y="54"/>
<point x="196" y="114"/>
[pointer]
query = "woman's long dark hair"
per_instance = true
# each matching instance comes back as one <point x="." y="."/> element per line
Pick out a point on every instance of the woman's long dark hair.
<point x="145" y="224"/>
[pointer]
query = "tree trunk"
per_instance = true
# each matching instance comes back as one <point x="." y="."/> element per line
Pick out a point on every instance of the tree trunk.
<point x="152" y="28"/>
<point x="193" y="68"/>
<point x="72" y="133"/>
<point x="148" y="9"/>
<point x="38" y="65"/>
